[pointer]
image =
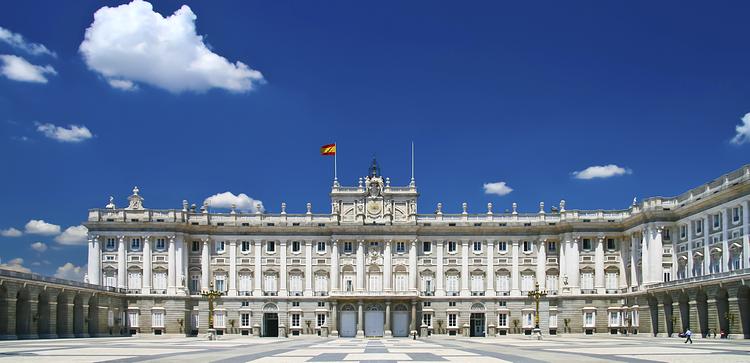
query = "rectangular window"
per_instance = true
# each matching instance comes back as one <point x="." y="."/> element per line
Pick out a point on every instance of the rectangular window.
<point x="427" y="320"/>
<point x="503" y="283"/>
<point x="553" y="320"/>
<point x="400" y="247"/>
<point x="586" y="244"/>
<point x="611" y="281"/>
<point x="502" y="320"/>
<point x="245" y="246"/>
<point x="552" y="283"/>
<point x="451" y="246"/>
<point x="161" y="244"/>
<point x="699" y="226"/>
<point x="195" y="320"/>
<point x="552" y="246"/>
<point x="347" y="247"/>
<point x="321" y="320"/>
<point x="451" y="303"/>
<point x="610" y="244"/>
<point x="195" y="283"/>
<point x="427" y="304"/>
<point x="220" y="283"/>
<point x="296" y="246"/>
<point x="502" y="246"/>
<point x="220" y="246"/>
<point x="587" y="281"/>
<point x="717" y="220"/>
<point x="134" y="280"/>
<point x="245" y="303"/>
<point x="321" y="283"/>
<point x="246" y="283"/>
<point x="451" y="283"/>
<point x="736" y="214"/>
<point x="133" y="318"/>
<point x="452" y="320"/>
<point x="426" y="246"/>
<point x="295" y="320"/>
<point x="157" y="319"/>
<point x="135" y="244"/>
<point x="588" y="319"/>
<point x="683" y="231"/>
<point x="321" y="246"/>
<point x="295" y="283"/>
<point x="526" y="246"/>
<point x="219" y="320"/>
<point x="321" y="304"/>
<point x="477" y="283"/>
<point x="477" y="246"/>
<point x="160" y="280"/>
<point x="245" y="320"/>
<point x="196" y="246"/>
<point x="110" y="244"/>
<point x="667" y="275"/>
<point x="527" y="283"/>
<point x="271" y="246"/>
<point x="295" y="304"/>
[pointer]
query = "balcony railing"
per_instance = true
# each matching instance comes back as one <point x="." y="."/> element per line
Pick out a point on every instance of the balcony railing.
<point x="704" y="278"/>
<point x="55" y="280"/>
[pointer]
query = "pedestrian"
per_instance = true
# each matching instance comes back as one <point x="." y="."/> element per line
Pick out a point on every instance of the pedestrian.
<point x="688" y="334"/>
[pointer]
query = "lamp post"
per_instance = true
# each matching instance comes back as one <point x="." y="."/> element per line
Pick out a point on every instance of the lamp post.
<point x="537" y="294"/>
<point x="211" y="295"/>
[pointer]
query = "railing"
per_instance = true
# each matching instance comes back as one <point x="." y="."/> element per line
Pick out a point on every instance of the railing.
<point x="373" y="293"/>
<point x="55" y="280"/>
<point x="704" y="278"/>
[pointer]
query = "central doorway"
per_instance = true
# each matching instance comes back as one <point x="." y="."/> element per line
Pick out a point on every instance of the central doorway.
<point x="348" y="321"/>
<point x="400" y="321"/>
<point x="374" y="321"/>
<point x="477" y="325"/>
<point x="270" y="324"/>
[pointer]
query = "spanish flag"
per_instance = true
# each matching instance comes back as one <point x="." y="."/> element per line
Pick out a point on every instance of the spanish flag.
<point x="329" y="149"/>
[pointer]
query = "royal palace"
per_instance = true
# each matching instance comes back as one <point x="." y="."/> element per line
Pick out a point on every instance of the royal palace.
<point x="373" y="266"/>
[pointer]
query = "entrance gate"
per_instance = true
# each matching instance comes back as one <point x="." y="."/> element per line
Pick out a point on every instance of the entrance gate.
<point x="348" y="322"/>
<point x="374" y="321"/>
<point x="400" y="321"/>
<point x="270" y="324"/>
<point x="477" y="325"/>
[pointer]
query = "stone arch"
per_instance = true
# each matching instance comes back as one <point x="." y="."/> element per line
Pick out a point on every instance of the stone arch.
<point x="743" y="300"/>
<point x="701" y="300"/>
<point x="23" y="314"/>
<point x="78" y="316"/>
<point x="373" y="269"/>
<point x="400" y="307"/>
<point x="722" y="308"/>
<point x="374" y="307"/>
<point x="62" y="315"/>
<point x="348" y="307"/>
<point x="4" y="314"/>
<point x="93" y="316"/>
<point x="684" y="303"/>
<point x="400" y="269"/>
<point x="668" y="314"/>
<point x="653" y="307"/>
<point x="43" y="313"/>
<point x="477" y="307"/>
<point x="270" y="308"/>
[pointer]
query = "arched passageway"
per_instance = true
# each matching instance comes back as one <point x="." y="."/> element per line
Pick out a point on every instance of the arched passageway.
<point x="78" y="316"/>
<point x="43" y="313"/>
<point x="743" y="300"/>
<point x="684" y="302"/>
<point x="93" y="316"/>
<point x="4" y="323"/>
<point x="23" y="314"/>
<point x="653" y="307"/>
<point x="61" y="325"/>
<point x="701" y="301"/>
<point x="722" y="308"/>
<point x="669" y="317"/>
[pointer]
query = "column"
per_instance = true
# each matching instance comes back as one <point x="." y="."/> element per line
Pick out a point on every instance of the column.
<point x="334" y="266"/>
<point x="360" y="319"/>
<point x="387" y="267"/>
<point x="725" y="239"/>
<point x="360" y="285"/>
<point x="333" y="325"/>
<point x="633" y="261"/>
<point x="180" y="262"/>
<point x="147" y="262"/>
<point x="599" y="265"/>
<point x="541" y="264"/>
<point x="388" y="332"/>
<point x="465" y="268"/>
<point x="413" y="265"/>
<point x="121" y="263"/>
<point x="257" y="289"/>
<point x="745" y="233"/>
<point x="232" y="290"/>
<point x="171" y="266"/>
<point x="490" y="274"/>
<point x="562" y="283"/>
<point x="645" y="256"/>
<point x="205" y="272"/>
<point x="282" y="266"/>
<point x="440" y="275"/>
<point x="657" y="251"/>
<point x="94" y="261"/>
<point x="690" y="273"/>
<point x="308" y="269"/>
<point x="514" y="274"/>
<point x="574" y="268"/>
<point x="623" y="273"/>
<point x="706" y="249"/>
<point x="413" y="323"/>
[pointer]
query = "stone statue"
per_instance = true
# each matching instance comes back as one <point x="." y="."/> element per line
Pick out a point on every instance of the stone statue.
<point x="111" y="204"/>
<point x="135" y="200"/>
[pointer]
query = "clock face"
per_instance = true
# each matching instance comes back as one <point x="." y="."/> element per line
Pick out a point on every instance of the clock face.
<point x="373" y="207"/>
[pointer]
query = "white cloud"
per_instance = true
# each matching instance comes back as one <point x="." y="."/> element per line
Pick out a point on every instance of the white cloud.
<point x="11" y="232"/>
<point x="122" y="84"/>
<point x="69" y="271"/>
<point x="73" y="133"/>
<point x="41" y="227"/>
<point x="39" y="246"/>
<point x="17" y="41"/>
<point x="498" y="188"/>
<point x="15" y="264"/>
<point x="132" y="43"/>
<point x="19" y="69"/>
<point x="241" y="201"/>
<point x="743" y="131"/>
<point x="603" y="171"/>
<point x="73" y="236"/>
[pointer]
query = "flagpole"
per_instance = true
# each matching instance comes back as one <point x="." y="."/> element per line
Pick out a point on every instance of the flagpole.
<point x="335" y="167"/>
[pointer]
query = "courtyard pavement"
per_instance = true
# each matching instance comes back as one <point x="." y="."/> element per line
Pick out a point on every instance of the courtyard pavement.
<point x="313" y="349"/>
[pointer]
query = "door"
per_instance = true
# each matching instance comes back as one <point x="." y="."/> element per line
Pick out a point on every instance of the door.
<point x="477" y="325"/>
<point x="270" y="325"/>
<point x="374" y="321"/>
<point x="400" y="323"/>
<point x="348" y="322"/>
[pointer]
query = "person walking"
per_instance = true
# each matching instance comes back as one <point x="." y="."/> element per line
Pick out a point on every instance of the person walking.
<point x="688" y="334"/>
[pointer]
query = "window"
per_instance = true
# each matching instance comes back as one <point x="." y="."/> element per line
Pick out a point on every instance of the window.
<point x="502" y="320"/>
<point x="666" y="234"/>
<point x="157" y="319"/>
<point x="400" y="247"/>
<point x="220" y="246"/>
<point x="587" y="244"/>
<point x="427" y="283"/>
<point x="347" y="247"/>
<point x="245" y="247"/>
<point x="402" y="282"/>
<point x="451" y="246"/>
<point x="321" y="246"/>
<point x="321" y="320"/>
<point x="610" y="244"/>
<point x="110" y="279"/>
<point x="295" y="320"/>
<point x="220" y="283"/>
<point x="587" y="281"/>
<point x="195" y="283"/>
<point x="321" y="304"/>
<point x="526" y="246"/>
<point x="427" y="304"/>
<point x="734" y="261"/>
<point x="295" y="246"/>
<point x="219" y="320"/>
<point x="135" y="244"/>
<point x="502" y="303"/>
<point x="452" y="320"/>
<point x="553" y="320"/>
<point x="717" y="220"/>
<point x="134" y="280"/>
<point x="503" y="283"/>
<point x="699" y="226"/>
<point x="451" y="304"/>
<point x="374" y="244"/>
<point x="611" y="281"/>
<point x="527" y="283"/>
<point x="451" y="283"/>
<point x="196" y="246"/>
<point x="270" y="283"/>
<point x="667" y="275"/>
<point x="426" y="246"/>
<point x="683" y="231"/>
<point x="110" y="244"/>
<point x="161" y="244"/>
<point x="528" y="320"/>
<point x="295" y="283"/>
<point x="245" y="304"/>
<point x="295" y="304"/>
<point x="133" y="318"/>
<point x="552" y="246"/>
<point x="271" y="246"/>
<point x="427" y="320"/>
<point x="477" y="246"/>
<point x="588" y="319"/>
<point x="614" y="318"/>
<point x="477" y="283"/>
<point x="736" y="214"/>
<point x="110" y="318"/>
<point x="160" y="280"/>
<point x="321" y="283"/>
<point x="246" y="283"/>
<point x="502" y="246"/>
<point x="245" y="320"/>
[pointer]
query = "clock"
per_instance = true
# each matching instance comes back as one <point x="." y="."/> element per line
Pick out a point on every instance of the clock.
<point x="373" y="207"/>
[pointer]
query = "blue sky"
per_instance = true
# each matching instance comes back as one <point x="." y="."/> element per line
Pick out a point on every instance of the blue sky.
<point x="525" y="94"/>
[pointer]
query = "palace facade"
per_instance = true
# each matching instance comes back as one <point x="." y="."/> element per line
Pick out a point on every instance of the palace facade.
<point x="373" y="266"/>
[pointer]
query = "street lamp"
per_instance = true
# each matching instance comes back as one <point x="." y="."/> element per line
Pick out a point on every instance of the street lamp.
<point x="537" y="294"/>
<point x="211" y="295"/>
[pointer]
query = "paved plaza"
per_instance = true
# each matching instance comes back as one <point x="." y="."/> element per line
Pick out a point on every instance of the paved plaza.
<point x="475" y="350"/>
